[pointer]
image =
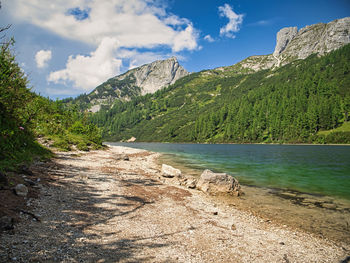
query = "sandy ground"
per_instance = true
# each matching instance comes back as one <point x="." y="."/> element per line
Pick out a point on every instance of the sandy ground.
<point x="98" y="207"/>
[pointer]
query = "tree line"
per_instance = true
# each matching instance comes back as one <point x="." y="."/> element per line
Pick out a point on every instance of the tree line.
<point x="291" y="104"/>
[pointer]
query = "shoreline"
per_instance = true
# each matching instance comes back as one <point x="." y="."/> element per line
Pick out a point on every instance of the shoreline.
<point x="229" y="143"/>
<point x="114" y="205"/>
<point x="320" y="215"/>
<point x="199" y="156"/>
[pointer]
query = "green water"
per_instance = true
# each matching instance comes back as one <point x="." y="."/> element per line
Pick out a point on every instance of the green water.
<point x="314" y="169"/>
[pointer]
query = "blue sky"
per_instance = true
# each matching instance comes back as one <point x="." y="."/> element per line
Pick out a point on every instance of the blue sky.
<point x="68" y="47"/>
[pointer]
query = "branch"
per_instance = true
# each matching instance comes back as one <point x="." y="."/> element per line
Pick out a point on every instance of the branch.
<point x="5" y="28"/>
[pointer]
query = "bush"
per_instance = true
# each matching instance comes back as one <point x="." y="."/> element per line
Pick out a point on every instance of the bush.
<point x="25" y="115"/>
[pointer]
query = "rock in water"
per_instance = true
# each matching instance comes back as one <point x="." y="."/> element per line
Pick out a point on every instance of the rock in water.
<point x="21" y="190"/>
<point x="218" y="183"/>
<point x="132" y="139"/>
<point x="169" y="171"/>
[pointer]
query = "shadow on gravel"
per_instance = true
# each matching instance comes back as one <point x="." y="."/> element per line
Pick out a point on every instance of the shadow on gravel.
<point x="69" y="230"/>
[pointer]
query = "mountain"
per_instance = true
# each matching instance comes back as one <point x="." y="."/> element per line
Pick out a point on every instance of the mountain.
<point x="294" y="100"/>
<point x="292" y="44"/>
<point x="138" y="81"/>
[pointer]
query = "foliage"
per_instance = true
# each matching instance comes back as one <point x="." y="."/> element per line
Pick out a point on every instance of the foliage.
<point x="112" y="89"/>
<point x="16" y="136"/>
<point x="290" y="104"/>
<point x="64" y="125"/>
<point x="25" y="115"/>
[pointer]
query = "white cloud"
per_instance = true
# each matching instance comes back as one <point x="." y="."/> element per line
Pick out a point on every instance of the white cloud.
<point x="186" y="39"/>
<point x="135" y="23"/>
<point x="87" y="72"/>
<point x="118" y="30"/>
<point x="42" y="57"/>
<point x="235" y="20"/>
<point x="262" y="23"/>
<point x="209" y="38"/>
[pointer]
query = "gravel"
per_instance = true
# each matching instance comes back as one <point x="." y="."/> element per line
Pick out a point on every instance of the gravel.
<point x="98" y="207"/>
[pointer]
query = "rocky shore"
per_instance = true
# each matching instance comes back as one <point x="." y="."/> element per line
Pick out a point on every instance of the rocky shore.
<point x="116" y="205"/>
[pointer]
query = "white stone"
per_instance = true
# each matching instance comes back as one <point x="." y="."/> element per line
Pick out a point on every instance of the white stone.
<point x="169" y="171"/>
<point x="132" y="139"/>
<point x="218" y="183"/>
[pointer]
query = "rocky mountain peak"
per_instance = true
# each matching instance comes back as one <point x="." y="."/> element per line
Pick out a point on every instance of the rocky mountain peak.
<point x="318" y="38"/>
<point x="292" y="44"/>
<point x="138" y="81"/>
<point x="156" y="75"/>
<point x="284" y="36"/>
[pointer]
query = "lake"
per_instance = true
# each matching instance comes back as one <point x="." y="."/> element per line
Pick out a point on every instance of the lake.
<point x="302" y="186"/>
<point x="314" y="169"/>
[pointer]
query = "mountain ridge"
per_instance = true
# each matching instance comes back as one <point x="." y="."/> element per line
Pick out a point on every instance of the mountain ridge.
<point x="289" y="104"/>
<point x="293" y="44"/>
<point x="139" y="81"/>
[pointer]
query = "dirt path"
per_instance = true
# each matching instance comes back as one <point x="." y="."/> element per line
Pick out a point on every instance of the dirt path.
<point x="98" y="207"/>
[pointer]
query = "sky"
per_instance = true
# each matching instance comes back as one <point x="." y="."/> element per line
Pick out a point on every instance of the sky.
<point x="68" y="47"/>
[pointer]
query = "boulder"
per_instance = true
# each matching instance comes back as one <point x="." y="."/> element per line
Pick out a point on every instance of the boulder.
<point x="170" y="172"/>
<point x="218" y="183"/>
<point x="132" y="139"/>
<point x="21" y="190"/>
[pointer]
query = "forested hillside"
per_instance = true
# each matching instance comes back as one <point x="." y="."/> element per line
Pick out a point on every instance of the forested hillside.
<point x="24" y="116"/>
<point x="291" y="104"/>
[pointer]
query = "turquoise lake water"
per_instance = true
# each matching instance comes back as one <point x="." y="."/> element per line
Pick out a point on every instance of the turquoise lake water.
<point x="314" y="169"/>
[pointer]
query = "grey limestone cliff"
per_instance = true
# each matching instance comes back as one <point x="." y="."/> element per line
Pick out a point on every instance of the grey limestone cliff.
<point x="156" y="75"/>
<point x="138" y="81"/>
<point x="319" y="38"/>
<point x="292" y="44"/>
<point x="284" y="36"/>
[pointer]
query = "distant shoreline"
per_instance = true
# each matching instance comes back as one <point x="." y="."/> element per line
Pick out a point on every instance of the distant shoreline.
<point x="229" y="143"/>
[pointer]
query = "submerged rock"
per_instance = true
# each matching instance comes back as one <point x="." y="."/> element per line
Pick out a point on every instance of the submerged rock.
<point x="216" y="183"/>
<point x="170" y="172"/>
